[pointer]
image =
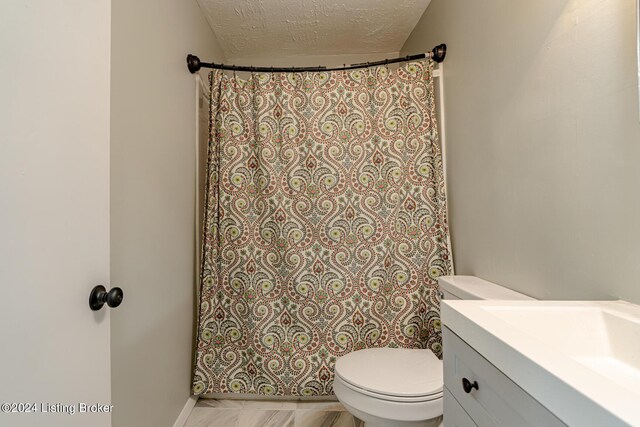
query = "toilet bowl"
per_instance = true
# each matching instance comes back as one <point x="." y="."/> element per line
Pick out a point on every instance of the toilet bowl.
<point x="391" y="387"/>
<point x="396" y="387"/>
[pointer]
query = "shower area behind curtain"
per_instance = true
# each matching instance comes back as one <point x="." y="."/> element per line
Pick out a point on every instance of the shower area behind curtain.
<point x="325" y="226"/>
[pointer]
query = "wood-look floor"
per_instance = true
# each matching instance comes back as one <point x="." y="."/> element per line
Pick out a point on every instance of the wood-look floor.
<point x="251" y="413"/>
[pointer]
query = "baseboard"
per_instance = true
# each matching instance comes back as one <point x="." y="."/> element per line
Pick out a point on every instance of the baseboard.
<point x="186" y="411"/>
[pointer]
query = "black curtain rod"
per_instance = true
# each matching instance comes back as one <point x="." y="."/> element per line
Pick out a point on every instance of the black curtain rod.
<point x="194" y="64"/>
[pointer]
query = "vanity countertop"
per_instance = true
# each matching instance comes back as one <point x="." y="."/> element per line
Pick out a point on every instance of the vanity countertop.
<point x="579" y="359"/>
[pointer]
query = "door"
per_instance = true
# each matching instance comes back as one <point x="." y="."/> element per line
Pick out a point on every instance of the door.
<point x="54" y="212"/>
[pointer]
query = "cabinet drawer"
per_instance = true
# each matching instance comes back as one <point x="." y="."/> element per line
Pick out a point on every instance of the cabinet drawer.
<point x="455" y="416"/>
<point x="498" y="401"/>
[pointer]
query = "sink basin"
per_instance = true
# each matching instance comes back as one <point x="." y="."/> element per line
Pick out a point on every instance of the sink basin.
<point x="580" y="359"/>
<point x="603" y="338"/>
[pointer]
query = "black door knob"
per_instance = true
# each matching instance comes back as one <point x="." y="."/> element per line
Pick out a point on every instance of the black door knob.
<point x="99" y="296"/>
<point x="468" y="385"/>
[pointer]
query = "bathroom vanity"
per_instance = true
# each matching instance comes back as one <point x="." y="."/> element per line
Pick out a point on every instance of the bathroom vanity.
<point x="541" y="363"/>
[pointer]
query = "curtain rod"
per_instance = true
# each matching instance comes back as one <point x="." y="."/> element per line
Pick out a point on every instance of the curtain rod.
<point x="194" y="64"/>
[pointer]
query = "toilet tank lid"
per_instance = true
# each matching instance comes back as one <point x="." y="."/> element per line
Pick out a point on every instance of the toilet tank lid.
<point x="471" y="287"/>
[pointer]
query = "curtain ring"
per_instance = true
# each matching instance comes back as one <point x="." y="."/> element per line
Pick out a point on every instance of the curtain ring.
<point x="386" y="64"/>
<point x="235" y="77"/>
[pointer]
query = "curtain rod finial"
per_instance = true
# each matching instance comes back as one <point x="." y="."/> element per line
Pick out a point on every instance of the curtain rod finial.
<point x="439" y="52"/>
<point x="193" y="63"/>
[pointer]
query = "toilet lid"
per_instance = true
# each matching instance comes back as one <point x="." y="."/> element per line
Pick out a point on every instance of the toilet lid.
<point x="393" y="371"/>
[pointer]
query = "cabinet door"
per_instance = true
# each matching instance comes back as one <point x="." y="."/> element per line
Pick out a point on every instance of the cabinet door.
<point x="497" y="401"/>
<point x="454" y="415"/>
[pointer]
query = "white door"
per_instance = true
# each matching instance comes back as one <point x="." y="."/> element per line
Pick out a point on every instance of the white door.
<point x="54" y="211"/>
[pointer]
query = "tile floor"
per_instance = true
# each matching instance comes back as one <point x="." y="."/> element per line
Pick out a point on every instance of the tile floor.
<point x="260" y="413"/>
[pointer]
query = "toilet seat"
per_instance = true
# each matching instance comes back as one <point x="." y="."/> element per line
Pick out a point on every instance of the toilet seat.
<point x="389" y="397"/>
<point x="392" y="374"/>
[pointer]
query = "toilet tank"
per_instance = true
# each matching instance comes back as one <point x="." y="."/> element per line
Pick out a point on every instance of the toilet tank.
<point x="471" y="287"/>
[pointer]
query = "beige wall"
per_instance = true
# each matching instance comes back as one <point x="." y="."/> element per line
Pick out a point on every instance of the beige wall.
<point x="543" y="142"/>
<point x="152" y="205"/>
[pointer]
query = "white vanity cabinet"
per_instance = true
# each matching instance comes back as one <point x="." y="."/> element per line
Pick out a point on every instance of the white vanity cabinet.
<point x="487" y="397"/>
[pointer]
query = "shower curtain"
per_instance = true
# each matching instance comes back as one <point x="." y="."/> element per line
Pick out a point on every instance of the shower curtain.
<point x="325" y="226"/>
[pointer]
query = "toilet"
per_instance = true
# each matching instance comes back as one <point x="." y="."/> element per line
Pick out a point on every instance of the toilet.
<point x="396" y="387"/>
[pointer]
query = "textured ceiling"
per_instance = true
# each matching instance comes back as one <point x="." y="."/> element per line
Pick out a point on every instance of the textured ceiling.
<point x="259" y="28"/>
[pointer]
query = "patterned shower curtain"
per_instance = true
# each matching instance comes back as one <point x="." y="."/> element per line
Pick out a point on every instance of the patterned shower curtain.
<point x="325" y="226"/>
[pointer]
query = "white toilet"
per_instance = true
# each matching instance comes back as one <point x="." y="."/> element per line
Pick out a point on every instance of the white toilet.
<point x="394" y="387"/>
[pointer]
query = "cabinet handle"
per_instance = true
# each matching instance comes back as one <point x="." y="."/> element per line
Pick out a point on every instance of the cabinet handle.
<point x="468" y="385"/>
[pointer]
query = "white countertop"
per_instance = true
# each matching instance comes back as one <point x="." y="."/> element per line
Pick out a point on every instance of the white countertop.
<point x="546" y="346"/>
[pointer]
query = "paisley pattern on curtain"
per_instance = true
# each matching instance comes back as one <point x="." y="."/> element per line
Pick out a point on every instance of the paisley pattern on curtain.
<point x="325" y="226"/>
